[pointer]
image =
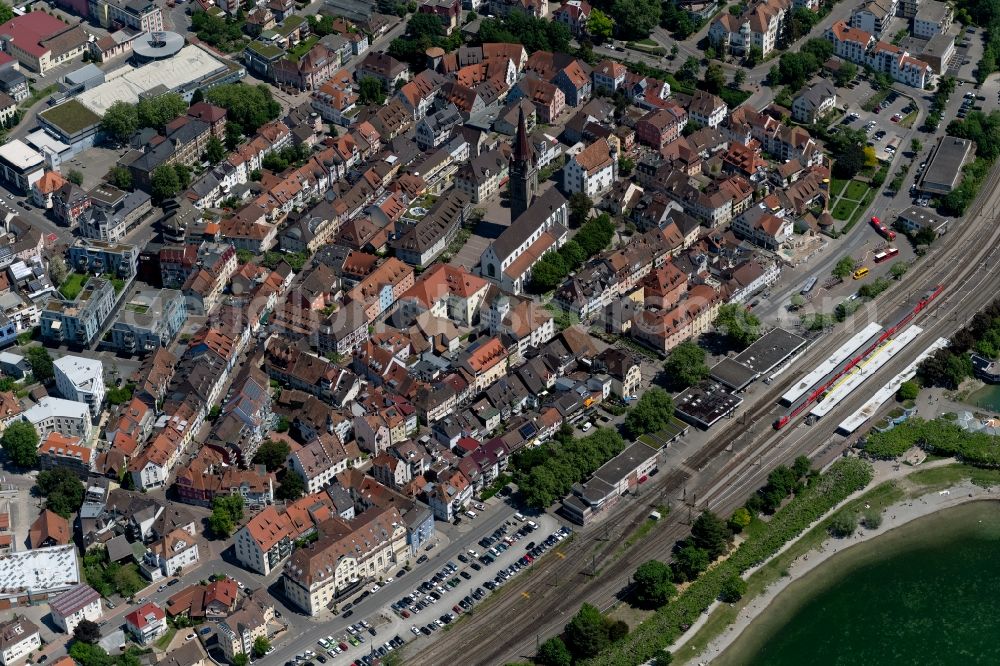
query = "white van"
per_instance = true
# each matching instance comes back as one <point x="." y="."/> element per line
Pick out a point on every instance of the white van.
<point x="519" y="517"/>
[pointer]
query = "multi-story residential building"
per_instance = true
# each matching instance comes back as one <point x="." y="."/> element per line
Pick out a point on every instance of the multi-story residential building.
<point x="609" y="76"/>
<point x="873" y="16"/>
<point x="44" y="189"/>
<point x="82" y="380"/>
<point x="445" y="291"/>
<point x="933" y="18"/>
<point x="481" y="176"/>
<point x="265" y="541"/>
<point x="335" y="100"/>
<point x="364" y="548"/>
<point x="320" y="461"/>
<point x="76" y="604"/>
<point x="593" y="170"/>
<point x="665" y="329"/>
<point x="176" y="551"/>
<point x="661" y="126"/>
<point x="146" y="623"/>
<point x="814" y="102"/>
<point x="707" y="109"/>
<point x="761" y="227"/>
<point x="19" y="637"/>
<point x="139" y="15"/>
<point x="379" y="291"/>
<point x="78" y="321"/>
<point x="573" y="14"/>
<point x="310" y="71"/>
<point x="548" y="98"/>
<point x="435" y="129"/>
<point x="149" y="319"/>
<point x="101" y="257"/>
<point x="383" y="67"/>
<point x="861" y="47"/>
<point x="758" y="27"/>
<point x="485" y="361"/>
<point x="63" y="451"/>
<point x="238" y="632"/>
<point x="68" y="417"/>
<point x="113" y="213"/>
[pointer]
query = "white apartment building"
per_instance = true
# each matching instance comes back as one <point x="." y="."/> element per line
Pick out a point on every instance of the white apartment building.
<point x="593" y="170"/>
<point x="68" y="417"/>
<point x="19" y="637"/>
<point x="82" y="380"/>
<point x="79" y="603"/>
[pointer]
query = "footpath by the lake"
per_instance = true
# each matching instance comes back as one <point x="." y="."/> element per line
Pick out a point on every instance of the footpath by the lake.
<point x="894" y="516"/>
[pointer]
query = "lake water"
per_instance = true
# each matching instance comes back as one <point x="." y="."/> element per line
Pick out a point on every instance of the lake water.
<point x="987" y="397"/>
<point x="924" y="593"/>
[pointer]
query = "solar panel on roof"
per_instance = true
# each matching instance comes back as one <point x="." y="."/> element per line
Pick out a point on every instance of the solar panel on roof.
<point x="527" y="430"/>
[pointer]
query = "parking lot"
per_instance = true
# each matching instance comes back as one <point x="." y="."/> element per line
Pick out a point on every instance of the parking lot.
<point x="440" y="599"/>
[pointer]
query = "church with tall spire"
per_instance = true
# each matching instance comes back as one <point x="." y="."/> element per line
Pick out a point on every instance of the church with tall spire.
<point x="537" y="224"/>
<point x="522" y="172"/>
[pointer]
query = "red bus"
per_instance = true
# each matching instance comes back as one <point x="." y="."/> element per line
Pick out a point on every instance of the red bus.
<point x="886" y="254"/>
<point x="883" y="230"/>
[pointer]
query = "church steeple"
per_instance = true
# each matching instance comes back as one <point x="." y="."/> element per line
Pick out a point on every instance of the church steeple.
<point x="523" y="174"/>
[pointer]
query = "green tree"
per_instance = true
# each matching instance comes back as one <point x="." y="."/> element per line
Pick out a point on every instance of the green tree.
<point x="247" y="107"/>
<point x="41" y="363"/>
<point x="801" y="467"/>
<point x="554" y="652"/>
<point x="240" y="659"/>
<point x="797" y="301"/>
<point x="260" y="646"/>
<point x="686" y="365"/>
<point x="62" y="489"/>
<point x="227" y="512"/>
<point x="715" y="79"/>
<point x="908" y="390"/>
<point x="183" y="175"/>
<point x="916" y="146"/>
<point x="272" y="454"/>
<point x="198" y="96"/>
<point x="57" y="269"/>
<point x="244" y="256"/>
<point x="215" y="151"/>
<point x="651" y="413"/>
<point x="739" y="78"/>
<point x="845" y="74"/>
<point x="843" y="524"/>
<point x="87" y="631"/>
<point x="572" y="254"/>
<point x="690" y="562"/>
<point x="120" y="121"/>
<point x="665" y="658"/>
<point x="20" y="441"/>
<point x="733" y="589"/>
<point x="121" y="178"/>
<point x="898" y="269"/>
<point x="711" y="534"/>
<point x="740" y="325"/>
<point x="626" y="165"/>
<point x="600" y="25"/>
<point x="843" y="268"/>
<point x="156" y="112"/>
<point x="847" y="149"/>
<point x="370" y="91"/>
<point x="75" y="177"/>
<point x="89" y="655"/>
<point x="872" y="518"/>
<point x="653" y="584"/>
<point x="635" y="19"/>
<point x="580" y="206"/>
<point x="164" y="181"/>
<point x="587" y="633"/>
<point x="291" y="487"/>
<point x="740" y="520"/>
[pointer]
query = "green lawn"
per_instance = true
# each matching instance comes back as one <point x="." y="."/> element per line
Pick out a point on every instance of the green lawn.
<point x="837" y="186"/>
<point x="72" y="286"/>
<point x="856" y="190"/>
<point x="908" y="120"/>
<point x="302" y="47"/>
<point x="842" y="211"/>
<point x="646" y="42"/>
<point x="163" y="641"/>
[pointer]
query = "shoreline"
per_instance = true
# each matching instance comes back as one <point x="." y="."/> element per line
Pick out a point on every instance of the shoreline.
<point x="895" y="515"/>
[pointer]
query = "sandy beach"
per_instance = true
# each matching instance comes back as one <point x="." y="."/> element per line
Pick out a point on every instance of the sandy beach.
<point x="894" y="516"/>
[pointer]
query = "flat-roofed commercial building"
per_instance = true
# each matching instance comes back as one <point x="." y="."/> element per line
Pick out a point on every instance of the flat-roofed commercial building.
<point x="944" y="171"/>
<point x="21" y="165"/>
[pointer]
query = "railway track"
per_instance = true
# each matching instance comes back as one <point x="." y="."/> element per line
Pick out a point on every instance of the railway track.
<point x="536" y="607"/>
